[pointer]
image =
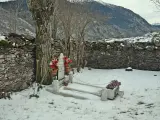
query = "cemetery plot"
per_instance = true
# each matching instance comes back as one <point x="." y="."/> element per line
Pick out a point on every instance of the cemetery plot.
<point x="140" y="101"/>
<point x="62" y="87"/>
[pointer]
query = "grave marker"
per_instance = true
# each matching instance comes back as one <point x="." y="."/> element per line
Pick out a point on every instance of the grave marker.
<point x="61" y="70"/>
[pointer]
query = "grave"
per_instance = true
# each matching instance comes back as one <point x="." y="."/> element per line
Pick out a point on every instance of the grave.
<point x="79" y="90"/>
<point x="61" y="78"/>
<point x="101" y="92"/>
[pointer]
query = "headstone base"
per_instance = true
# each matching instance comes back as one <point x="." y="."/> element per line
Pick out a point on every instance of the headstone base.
<point x="71" y="77"/>
<point x="56" y="85"/>
<point x="109" y="93"/>
<point x="104" y="95"/>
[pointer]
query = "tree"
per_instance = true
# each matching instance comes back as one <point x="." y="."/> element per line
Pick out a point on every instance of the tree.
<point x="82" y="19"/>
<point x="14" y="10"/>
<point x="74" y="21"/>
<point x="157" y="3"/>
<point x="52" y="16"/>
<point x="75" y="18"/>
<point x="43" y="11"/>
<point x="17" y="10"/>
<point x="66" y="16"/>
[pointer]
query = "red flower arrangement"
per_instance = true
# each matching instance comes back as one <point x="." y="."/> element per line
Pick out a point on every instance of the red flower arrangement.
<point x="53" y="64"/>
<point x="113" y="84"/>
<point x="67" y="61"/>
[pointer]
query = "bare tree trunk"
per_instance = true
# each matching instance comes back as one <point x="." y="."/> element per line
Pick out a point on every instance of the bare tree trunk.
<point x="43" y="54"/>
<point x="42" y="10"/>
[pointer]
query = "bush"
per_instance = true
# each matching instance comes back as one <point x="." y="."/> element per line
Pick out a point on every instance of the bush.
<point x="4" y="43"/>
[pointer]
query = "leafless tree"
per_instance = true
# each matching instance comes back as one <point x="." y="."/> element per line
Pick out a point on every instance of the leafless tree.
<point x="65" y="17"/>
<point x="82" y="20"/>
<point x="17" y="10"/>
<point x="43" y="11"/>
<point x="157" y="3"/>
<point x="74" y="20"/>
<point x="52" y="16"/>
<point x="14" y="11"/>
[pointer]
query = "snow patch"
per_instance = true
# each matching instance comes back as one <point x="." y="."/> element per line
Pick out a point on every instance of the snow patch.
<point x="2" y="38"/>
<point x="140" y="100"/>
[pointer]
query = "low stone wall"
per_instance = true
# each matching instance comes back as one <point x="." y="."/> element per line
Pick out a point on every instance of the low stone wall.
<point x="118" y="54"/>
<point x="103" y="55"/>
<point x="146" y="60"/>
<point x="16" y="66"/>
<point x="17" y="58"/>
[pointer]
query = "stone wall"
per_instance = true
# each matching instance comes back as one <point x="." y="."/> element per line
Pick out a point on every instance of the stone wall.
<point x="17" y="58"/>
<point x="16" y="64"/>
<point x="103" y="55"/>
<point x="118" y="54"/>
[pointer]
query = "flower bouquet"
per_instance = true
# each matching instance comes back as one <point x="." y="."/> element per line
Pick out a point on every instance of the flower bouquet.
<point x="54" y="66"/>
<point x="67" y="62"/>
<point x="113" y="84"/>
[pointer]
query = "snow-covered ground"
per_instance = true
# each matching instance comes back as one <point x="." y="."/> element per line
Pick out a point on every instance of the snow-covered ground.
<point x="2" y="37"/>
<point x="141" y="100"/>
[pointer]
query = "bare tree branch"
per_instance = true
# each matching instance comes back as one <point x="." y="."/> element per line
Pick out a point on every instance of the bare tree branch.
<point x="157" y="3"/>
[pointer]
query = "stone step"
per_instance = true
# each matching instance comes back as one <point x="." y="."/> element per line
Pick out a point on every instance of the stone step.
<point x="88" y="85"/>
<point x="84" y="89"/>
<point x="84" y="92"/>
<point x="78" y="94"/>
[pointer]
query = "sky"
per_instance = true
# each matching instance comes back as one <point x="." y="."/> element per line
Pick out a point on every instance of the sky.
<point x="4" y="0"/>
<point x="144" y="8"/>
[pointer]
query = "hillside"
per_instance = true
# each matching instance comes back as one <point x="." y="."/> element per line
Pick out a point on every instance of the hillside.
<point x="156" y="25"/>
<point x="120" y="22"/>
<point x="9" y="22"/>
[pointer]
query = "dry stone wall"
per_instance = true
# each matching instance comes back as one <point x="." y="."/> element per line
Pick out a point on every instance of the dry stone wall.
<point x="118" y="54"/>
<point x="16" y="65"/>
<point x="144" y="56"/>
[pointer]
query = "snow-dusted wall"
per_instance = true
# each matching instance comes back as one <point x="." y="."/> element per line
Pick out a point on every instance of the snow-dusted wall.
<point x="140" y="53"/>
<point x="17" y="59"/>
<point x="103" y="55"/>
<point x="16" y="64"/>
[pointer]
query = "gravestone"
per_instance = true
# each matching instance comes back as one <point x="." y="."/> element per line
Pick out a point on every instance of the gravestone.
<point x="61" y="70"/>
<point x="61" y="74"/>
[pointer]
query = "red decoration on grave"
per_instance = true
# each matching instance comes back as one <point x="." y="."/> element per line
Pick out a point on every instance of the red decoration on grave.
<point x="54" y="66"/>
<point x="67" y="62"/>
<point x="113" y="84"/>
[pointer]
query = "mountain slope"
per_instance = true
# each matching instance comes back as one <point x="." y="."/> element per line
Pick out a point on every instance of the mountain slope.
<point x="10" y="23"/>
<point x="156" y="25"/>
<point x="121" y="22"/>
